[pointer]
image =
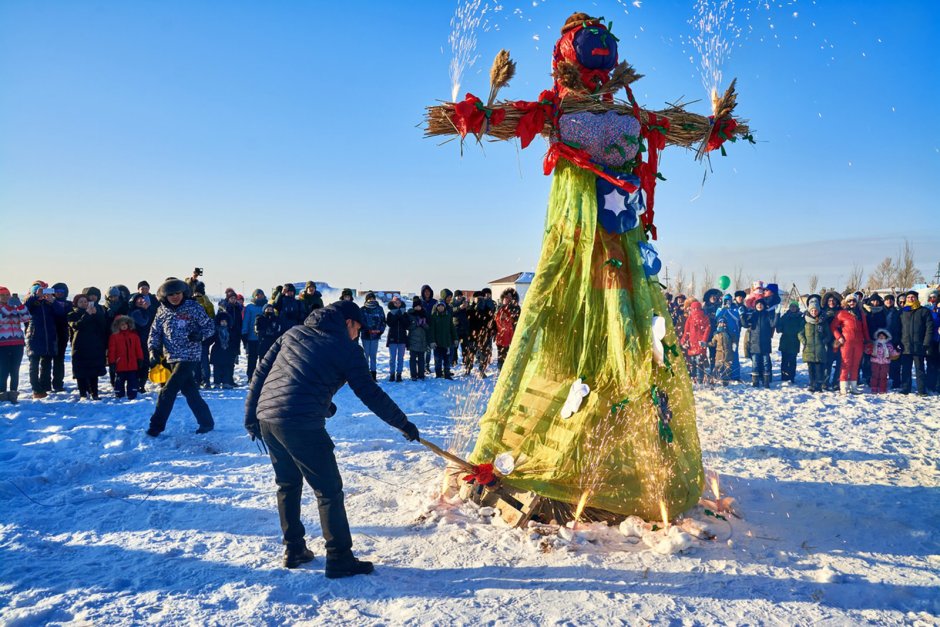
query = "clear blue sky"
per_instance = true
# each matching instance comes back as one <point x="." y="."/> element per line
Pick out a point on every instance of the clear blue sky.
<point x="276" y="141"/>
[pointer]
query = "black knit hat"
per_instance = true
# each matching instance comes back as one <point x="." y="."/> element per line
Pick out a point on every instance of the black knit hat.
<point x="143" y="284"/>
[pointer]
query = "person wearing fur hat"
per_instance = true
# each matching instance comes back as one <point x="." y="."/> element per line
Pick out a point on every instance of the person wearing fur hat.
<point x="179" y="330"/>
<point x="373" y="319"/>
<point x="816" y="339"/>
<point x="125" y="354"/>
<point x="850" y="332"/>
<point x="760" y="325"/>
<point x="311" y="299"/>
<point x="288" y="402"/>
<point x="89" y="328"/>
<point x="882" y="354"/>
<point x="13" y="315"/>
<point x="694" y="341"/>
<point x="442" y="336"/>
<point x="916" y="334"/>
<point x="398" y="324"/>
<point x="789" y="326"/>
<point x="41" y="338"/>
<point x="346" y="294"/>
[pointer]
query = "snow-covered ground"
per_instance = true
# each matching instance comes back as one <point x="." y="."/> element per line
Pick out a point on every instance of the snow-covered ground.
<point x="101" y="524"/>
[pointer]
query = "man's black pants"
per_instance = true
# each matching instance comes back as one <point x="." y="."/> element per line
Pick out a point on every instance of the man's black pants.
<point x="182" y="379"/>
<point x="299" y="454"/>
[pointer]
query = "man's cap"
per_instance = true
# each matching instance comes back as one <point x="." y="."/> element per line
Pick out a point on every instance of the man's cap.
<point x="349" y="309"/>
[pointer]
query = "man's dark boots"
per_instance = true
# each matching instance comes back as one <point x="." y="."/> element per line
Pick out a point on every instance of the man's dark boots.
<point x="297" y="554"/>
<point x="347" y="566"/>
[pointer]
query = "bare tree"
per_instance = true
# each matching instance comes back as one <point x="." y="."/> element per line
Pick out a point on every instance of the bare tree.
<point x="907" y="272"/>
<point x="709" y="280"/>
<point x="854" y="282"/>
<point x="692" y="290"/>
<point x="738" y="278"/>
<point x="813" y="283"/>
<point x="678" y="281"/>
<point x="883" y="275"/>
<point x="775" y="278"/>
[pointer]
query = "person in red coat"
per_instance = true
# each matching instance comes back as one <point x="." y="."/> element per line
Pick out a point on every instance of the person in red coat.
<point x="694" y="340"/>
<point x="125" y="354"/>
<point x="506" y="318"/>
<point x="850" y="330"/>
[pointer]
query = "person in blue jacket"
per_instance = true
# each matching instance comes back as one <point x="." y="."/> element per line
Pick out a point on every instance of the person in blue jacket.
<point x="289" y="400"/>
<point x="249" y="336"/>
<point x="760" y="322"/>
<point x="730" y="313"/>
<point x="179" y="329"/>
<point x="373" y="326"/>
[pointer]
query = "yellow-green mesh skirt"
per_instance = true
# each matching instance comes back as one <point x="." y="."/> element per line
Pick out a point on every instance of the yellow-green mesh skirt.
<point x="588" y="317"/>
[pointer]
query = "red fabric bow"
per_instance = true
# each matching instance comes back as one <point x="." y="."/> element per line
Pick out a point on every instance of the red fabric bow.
<point x="721" y="132"/>
<point x="533" y="120"/>
<point x="470" y="115"/>
<point x="482" y="474"/>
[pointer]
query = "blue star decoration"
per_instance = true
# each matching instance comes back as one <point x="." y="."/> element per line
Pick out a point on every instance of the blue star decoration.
<point x="651" y="263"/>
<point x="619" y="211"/>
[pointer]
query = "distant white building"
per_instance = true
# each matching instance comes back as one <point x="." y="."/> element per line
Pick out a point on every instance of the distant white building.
<point x="520" y="281"/>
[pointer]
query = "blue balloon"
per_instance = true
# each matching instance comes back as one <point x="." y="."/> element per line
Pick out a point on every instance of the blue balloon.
<point x="651" y="263"/>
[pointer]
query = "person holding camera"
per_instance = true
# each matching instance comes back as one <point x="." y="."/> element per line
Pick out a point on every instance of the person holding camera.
<point x="179" y="329"/>
<point x="41" y="338"/>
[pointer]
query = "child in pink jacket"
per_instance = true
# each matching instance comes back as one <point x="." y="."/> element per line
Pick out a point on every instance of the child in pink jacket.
<point x="882" y="354"/>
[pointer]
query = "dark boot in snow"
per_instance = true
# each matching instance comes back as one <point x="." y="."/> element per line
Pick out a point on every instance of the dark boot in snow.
<point x="755" y="380"/>
<point x="295" y="555"/>
<point x="347" y="566"/>
<point x="767" y="378"/>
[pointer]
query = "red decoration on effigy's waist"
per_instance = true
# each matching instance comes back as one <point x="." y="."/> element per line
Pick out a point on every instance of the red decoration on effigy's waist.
<point x="470" y="115"/>
<point x="560" y="150"/>
<point x="482" y="474"/>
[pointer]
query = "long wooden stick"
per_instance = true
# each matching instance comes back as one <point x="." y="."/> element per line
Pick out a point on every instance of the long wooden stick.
<point x="446" y="455"/>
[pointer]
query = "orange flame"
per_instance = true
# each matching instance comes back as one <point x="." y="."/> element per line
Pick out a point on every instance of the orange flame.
<point x="665" y="514"/>
<point x="581" y="504"/>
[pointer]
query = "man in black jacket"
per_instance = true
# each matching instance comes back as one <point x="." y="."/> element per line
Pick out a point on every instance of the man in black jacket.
<point x="916" y="331"/>
<point x="289" y="400"/>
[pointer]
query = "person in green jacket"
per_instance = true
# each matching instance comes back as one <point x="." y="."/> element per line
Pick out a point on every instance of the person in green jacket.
<point x="442" y="336"/>
<point x="789" y="326"/>
<point x="816" y="338"/>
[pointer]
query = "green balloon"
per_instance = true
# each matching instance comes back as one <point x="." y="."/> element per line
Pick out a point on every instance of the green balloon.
<point x="724" y="282"/>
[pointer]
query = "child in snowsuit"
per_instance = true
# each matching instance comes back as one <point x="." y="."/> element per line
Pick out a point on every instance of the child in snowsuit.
<point x="224" y="348"/>
<point x="695" y="339"/>
<point x="721" y="341"/>
<point x="882" y="354"/>
<point x="816" y="340"/>
<point x="124" y="355"/>
<point x="417" y="339"/>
